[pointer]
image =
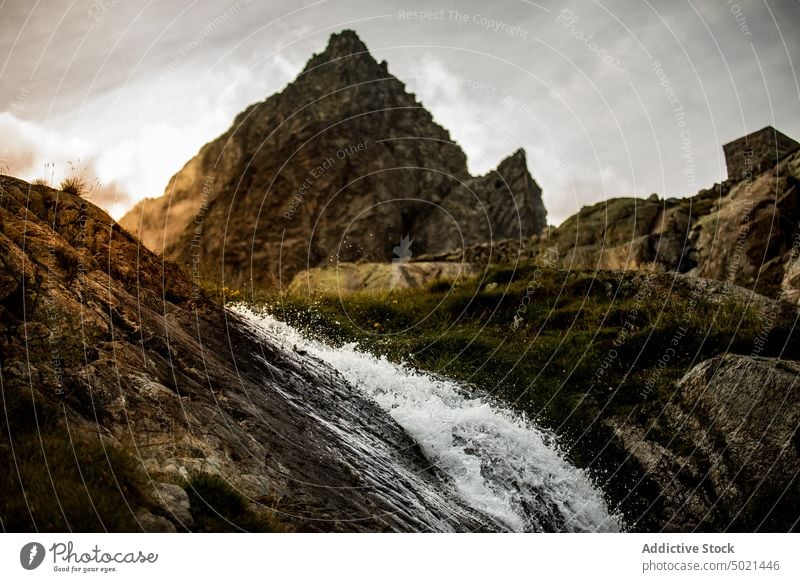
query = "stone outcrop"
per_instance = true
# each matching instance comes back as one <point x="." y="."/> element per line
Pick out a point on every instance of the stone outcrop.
<point x="732" y="460"/>
<point x="377" y="277"/>
<point x="757" y="152"/>
<point x="338" y="167"/>
<point x="745" y="233"/>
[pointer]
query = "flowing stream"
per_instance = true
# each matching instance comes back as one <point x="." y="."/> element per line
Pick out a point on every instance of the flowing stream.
<point x="492" y="459"/>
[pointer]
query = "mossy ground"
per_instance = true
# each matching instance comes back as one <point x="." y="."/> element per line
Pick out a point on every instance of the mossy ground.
<point x="54" y="480"/>
<point x="218" y="507"/>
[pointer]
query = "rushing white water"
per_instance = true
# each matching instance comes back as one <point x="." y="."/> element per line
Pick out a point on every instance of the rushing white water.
<point x="499" y="463"/>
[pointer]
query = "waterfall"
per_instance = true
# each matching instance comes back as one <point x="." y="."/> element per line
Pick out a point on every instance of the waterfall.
<point x="493" y="459"/>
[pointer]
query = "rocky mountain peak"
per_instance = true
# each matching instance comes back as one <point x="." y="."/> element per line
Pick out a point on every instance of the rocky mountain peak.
<point x="515" y="166"/>
<point x="344" y="43"/>
<point x="518" y="159"/>
<point x="347" y="53"/>
<point x="338" y="167"/>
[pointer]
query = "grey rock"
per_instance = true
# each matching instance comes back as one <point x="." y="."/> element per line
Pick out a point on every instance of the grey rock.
<point x="152" y="523"/>
<point x="176" y="503"/>
<point x="732" y="458"/>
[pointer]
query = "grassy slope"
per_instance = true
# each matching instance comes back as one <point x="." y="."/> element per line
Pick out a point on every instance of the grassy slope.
<point x="54" y="480"/>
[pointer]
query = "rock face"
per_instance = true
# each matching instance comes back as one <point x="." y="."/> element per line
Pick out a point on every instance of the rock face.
<point x="125" y="347"/>
<point x="377" y="277"/>
<point x="757" y="152"/>
<point x="625" y="233"/>
<point x="339" y="166"/>
<point x="733" y="460"/>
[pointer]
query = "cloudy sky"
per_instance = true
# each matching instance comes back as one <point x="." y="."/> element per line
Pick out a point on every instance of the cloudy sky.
<point x="609" y="98"/>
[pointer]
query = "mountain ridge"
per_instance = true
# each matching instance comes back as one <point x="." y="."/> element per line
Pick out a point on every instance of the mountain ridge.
<point x="740" y="231"/>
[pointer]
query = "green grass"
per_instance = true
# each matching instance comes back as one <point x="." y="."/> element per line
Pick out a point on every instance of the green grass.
<point x="218" y="507"/>
<point x="57" y="481"/>
<point x="569" y="325"/>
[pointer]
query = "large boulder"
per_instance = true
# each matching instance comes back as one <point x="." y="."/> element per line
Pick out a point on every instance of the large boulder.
<point x="728" y="453"/>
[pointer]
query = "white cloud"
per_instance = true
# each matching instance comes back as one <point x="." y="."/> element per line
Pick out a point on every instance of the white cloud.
<point x="27" y="146"/>
<point x="137" y="160"/>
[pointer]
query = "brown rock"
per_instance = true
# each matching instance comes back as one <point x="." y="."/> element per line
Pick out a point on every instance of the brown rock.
<point x="339" y="166"/>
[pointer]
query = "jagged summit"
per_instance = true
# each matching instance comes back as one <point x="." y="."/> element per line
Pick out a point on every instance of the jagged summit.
<point x="343" y="44"/>
<point x="518" y="159"/>
<point x="339" y="166"/>
<point x="347" y="53"/>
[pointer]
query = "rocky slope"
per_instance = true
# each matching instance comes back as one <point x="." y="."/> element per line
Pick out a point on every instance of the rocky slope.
<point x="339" y="166"/>
<point x="741" y="232"/>
<point x="120" y="378"/>
<point x="127" y="392"/>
